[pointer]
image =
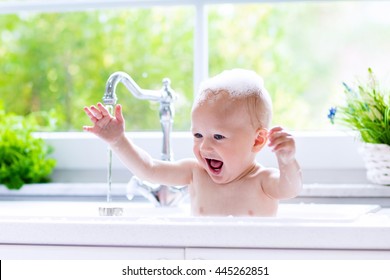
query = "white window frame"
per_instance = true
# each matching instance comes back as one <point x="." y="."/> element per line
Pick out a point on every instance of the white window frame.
<point x="324" y="156"/>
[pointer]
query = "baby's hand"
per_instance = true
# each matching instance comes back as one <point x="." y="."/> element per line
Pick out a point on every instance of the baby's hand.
<point x="105" y="126"/>
<point x="282" y="143"/>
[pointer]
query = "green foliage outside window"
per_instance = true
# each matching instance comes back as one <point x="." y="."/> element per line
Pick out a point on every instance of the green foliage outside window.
<point x="57" y="63"/>
<point x="61" y="61"/>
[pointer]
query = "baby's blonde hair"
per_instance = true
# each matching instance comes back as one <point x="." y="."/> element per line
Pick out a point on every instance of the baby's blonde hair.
<point x="240" y="84"/>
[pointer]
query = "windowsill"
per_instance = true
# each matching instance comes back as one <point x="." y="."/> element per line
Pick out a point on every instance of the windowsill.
<point x="332" y="168"/>
<point x="324" y="157"/>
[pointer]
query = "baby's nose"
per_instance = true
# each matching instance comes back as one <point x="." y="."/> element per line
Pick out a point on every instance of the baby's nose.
<point x="206" y="146"/>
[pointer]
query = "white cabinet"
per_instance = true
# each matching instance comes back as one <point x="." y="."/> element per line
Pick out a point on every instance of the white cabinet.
<point x="281" y="254"/>
<point x="46" y="252"/>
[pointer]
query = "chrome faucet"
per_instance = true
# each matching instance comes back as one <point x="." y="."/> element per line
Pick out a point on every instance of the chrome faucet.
<point x="159" y="195"/>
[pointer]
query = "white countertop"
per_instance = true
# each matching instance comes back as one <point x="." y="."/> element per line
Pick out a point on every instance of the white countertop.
<point x="77" y="223"/>
<point x="119" y="189"/>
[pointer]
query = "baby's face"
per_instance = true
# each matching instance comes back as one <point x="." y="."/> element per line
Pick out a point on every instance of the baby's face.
<point x="223" y="138"/>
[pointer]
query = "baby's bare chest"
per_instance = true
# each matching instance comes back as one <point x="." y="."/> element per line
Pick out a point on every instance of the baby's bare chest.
<point x="242" y="198"/>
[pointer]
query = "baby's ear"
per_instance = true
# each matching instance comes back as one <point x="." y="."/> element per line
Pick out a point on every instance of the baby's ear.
<point x="261" y="139"/>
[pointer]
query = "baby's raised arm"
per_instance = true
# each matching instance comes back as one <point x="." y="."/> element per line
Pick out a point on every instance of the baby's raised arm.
<point x="288" y="181"/>
<point x="112" y="130"/>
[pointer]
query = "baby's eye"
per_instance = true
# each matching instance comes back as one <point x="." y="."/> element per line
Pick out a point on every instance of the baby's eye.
<point x="218" y="137"/>
<point x="198" y="135"/>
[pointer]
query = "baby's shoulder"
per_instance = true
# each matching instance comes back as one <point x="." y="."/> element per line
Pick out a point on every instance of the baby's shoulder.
<point x="188" y="162"/>
<point x="267" y="172"/>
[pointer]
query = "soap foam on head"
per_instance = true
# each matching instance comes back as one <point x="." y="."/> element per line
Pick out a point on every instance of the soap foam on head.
<point x="236" y="82"/>
<point x="240" y="83"/>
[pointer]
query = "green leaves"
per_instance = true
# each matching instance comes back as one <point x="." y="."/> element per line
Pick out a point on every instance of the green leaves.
<point x="23" y="158"/>
<point x="60" y="62"/>
<point x="367" y="110"/>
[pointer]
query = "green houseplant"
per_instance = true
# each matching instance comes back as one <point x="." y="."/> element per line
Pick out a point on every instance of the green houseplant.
<point x="23" y="157"/>
<point x="367" y="111"/>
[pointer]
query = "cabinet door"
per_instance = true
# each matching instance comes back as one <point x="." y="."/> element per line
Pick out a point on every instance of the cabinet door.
<point x="44" y="252"/>
<point x="281" y="254"/>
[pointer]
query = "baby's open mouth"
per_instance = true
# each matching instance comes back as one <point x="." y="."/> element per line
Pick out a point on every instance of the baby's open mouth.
<point x="214" y="165"/>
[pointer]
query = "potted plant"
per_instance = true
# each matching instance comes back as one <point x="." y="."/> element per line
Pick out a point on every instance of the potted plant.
<point x="23" y="157"/>
<point x="367" y="111"/>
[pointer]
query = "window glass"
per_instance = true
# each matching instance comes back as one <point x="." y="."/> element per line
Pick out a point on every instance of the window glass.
<point x="303" y="50"/>
<point x="59" y="62"/>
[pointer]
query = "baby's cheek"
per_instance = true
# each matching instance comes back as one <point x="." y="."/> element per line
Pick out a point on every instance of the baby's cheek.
<point x="195" y="150"/>
<point x="196" y="153"/>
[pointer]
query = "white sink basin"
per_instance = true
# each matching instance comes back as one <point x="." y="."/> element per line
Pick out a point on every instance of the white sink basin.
<point x="145" y="211"/>
<point x="141" y="225"/>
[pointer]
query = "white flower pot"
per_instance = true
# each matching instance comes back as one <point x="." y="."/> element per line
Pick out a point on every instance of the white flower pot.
<point x="377" y="160"/>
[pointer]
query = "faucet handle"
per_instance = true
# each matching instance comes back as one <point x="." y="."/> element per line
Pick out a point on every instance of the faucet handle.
<point x="166" y="81"/>
<point x="168" y="94"/>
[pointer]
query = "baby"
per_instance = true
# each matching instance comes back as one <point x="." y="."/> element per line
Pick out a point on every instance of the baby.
<point x="230" y="120"/>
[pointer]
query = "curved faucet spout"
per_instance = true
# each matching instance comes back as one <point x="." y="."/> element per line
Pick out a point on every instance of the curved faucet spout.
<point x="159" y="195"/>
<point x="110" y="98"/>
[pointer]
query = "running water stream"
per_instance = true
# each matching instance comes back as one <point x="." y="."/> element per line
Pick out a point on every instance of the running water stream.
<point x="107" y="210"/>
<point x="109" y="168"/>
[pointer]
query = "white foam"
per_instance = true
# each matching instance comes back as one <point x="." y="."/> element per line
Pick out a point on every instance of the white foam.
<point x="236" y="82"/>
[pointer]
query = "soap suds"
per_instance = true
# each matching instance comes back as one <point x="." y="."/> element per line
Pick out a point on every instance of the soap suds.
<point x="236" y="82"/>
<point x="240" y="84"/>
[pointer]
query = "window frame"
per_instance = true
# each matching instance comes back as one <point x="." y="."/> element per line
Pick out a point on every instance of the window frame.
<point x="323" y="143"/>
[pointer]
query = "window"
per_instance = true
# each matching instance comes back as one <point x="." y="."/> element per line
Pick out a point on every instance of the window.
<point x="59" y="61"/>
<point x="303" y="50"/>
